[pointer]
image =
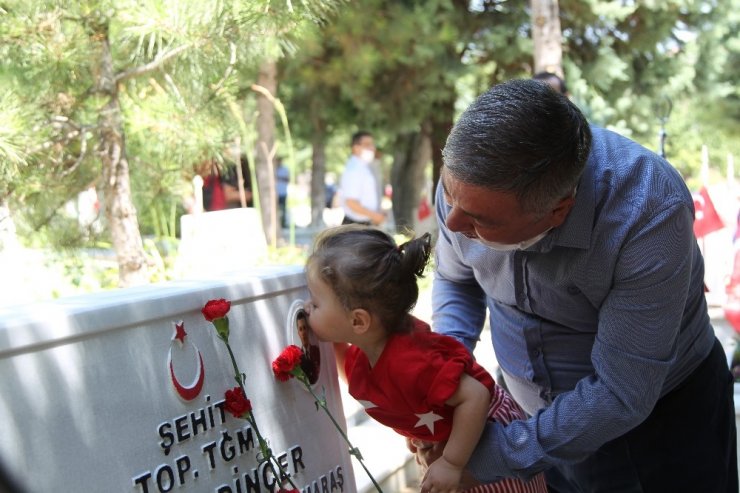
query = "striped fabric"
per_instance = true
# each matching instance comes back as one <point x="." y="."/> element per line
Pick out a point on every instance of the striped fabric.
<point x="505" y="410"/>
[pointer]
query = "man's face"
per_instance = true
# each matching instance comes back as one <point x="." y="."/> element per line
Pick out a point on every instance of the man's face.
<point x="302" y="327"/>
<point x="481" y="213"/>
<point x="366" y="143"/>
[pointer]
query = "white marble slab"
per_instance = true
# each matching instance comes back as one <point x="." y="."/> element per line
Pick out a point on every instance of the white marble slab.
<point x="88" y="401"/>
<point x="219" y="242"/>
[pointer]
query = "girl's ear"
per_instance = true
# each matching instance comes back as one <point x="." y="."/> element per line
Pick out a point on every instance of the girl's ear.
<point x="360" y="320"/>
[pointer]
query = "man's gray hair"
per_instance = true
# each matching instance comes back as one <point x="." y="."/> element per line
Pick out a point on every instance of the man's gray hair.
<point x="521" y="137"/>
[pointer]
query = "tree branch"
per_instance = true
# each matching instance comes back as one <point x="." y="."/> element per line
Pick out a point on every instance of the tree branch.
<point x="153" y="65"/>
<point x="232" y="62"/>
<point x="80" y="158"/>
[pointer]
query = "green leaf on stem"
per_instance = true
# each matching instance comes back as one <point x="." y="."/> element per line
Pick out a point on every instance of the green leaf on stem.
<point x="222" y="328"/>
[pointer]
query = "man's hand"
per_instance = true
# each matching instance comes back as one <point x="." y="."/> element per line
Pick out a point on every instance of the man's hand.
<point x="426" y="452"/>
<point x="377" y="218"/>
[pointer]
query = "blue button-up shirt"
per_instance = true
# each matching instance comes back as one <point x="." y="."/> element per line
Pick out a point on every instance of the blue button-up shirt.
<point x="594" y="323"/>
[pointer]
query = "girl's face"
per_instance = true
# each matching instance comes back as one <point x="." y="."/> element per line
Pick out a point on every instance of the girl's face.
<point x="327" y="317"/>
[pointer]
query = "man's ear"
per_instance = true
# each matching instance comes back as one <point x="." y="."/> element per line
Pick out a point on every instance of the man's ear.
<point x="560" y="212"/>
<point x="360" y="320"/>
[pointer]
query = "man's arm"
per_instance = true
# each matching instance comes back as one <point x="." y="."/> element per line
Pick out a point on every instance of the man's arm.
<point x="354" y="205"/>
<point x="634" y="350"/>
<point x="458" y="302"/>
<point x="232" y="195"/>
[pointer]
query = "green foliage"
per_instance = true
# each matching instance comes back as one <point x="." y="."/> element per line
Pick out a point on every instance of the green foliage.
<point x="12" y="128"/>
<point x="286" y="255"/>
<point x="383" y="65"/>
<point x="623" y="61"/>
<point x="174" y="116"/>
<point x="83" y="272"/>
<point x="697" y="123"/>
<point x="48" y="274"/>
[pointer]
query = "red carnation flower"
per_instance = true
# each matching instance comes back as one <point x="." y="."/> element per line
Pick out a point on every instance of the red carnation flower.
<point x="216" y="309"/>
<point x="237" y="403"/>
<point x="287" y="363"/>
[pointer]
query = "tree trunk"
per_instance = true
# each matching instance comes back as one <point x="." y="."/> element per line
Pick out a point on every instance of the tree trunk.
<point x="547" y="37"/>
<point x="265" y="151"/>
<point x="318" y="174"/>
<point x="413" y="153"/>
<point x="441" y="124"/>
<point x="119" y="208"/>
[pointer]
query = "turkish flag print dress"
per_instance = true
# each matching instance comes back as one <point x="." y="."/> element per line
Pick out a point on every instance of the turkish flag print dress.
<point x="410" y="383"/>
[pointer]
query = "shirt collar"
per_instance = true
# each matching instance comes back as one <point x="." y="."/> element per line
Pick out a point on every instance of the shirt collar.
<point x="575" y="232"/>
<point x="357" y="161"/>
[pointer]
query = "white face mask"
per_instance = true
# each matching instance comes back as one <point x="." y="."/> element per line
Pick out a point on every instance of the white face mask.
<point x="367" y="155"/>
<point x="522" y="245"/>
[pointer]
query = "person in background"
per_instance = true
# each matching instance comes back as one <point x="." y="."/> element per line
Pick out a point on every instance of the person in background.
<point x="358" y="186"/>
<point x="579" y="243"/>
<point x="232" y="179"/>
<point x="426" y="386"/>
<point x="553" y="80"/>
<point x="214" y="193"/>
<point x="221" y="189"/>
<point x="330" y="189"/>
<point x="282" y="180"/>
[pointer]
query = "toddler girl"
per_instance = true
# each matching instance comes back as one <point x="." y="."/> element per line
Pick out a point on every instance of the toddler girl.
<point x="424" y="385"/>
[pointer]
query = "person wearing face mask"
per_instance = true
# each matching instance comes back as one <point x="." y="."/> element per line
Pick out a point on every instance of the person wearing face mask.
<point x="358" y="189"/>
<point x="579" y="243"/>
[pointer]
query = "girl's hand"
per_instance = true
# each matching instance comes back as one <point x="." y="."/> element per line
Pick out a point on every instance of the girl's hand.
<point x="441" y="477"/>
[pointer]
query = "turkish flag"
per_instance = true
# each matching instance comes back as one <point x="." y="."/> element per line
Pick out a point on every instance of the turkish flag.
<point x="706" y="218"/>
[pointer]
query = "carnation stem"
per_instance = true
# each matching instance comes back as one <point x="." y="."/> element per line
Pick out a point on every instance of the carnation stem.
<point x="237" y="374"/>
<point x="264" y="448"/>
<point x="352" y="450"/>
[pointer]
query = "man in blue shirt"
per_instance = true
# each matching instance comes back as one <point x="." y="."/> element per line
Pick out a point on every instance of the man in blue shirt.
<point x="579" y="243"/>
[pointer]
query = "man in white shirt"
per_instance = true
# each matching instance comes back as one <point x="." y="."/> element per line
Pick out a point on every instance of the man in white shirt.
<point x="358" y="187"/>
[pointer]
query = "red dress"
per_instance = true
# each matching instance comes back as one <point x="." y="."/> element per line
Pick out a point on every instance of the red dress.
<point x="216" y="197"/>
<point x="410" y="383"/>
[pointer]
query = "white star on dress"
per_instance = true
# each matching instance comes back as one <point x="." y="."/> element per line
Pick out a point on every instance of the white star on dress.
<point x="428" y="420"/>
<point x="367" y="404"/>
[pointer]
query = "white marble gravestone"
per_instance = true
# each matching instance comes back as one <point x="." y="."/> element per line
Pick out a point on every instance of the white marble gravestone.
<point x="97" y="394"/>
<point x="220" y="241"/>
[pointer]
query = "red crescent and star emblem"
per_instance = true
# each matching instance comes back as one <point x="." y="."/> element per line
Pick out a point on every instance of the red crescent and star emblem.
<point x="191" y="391"/>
